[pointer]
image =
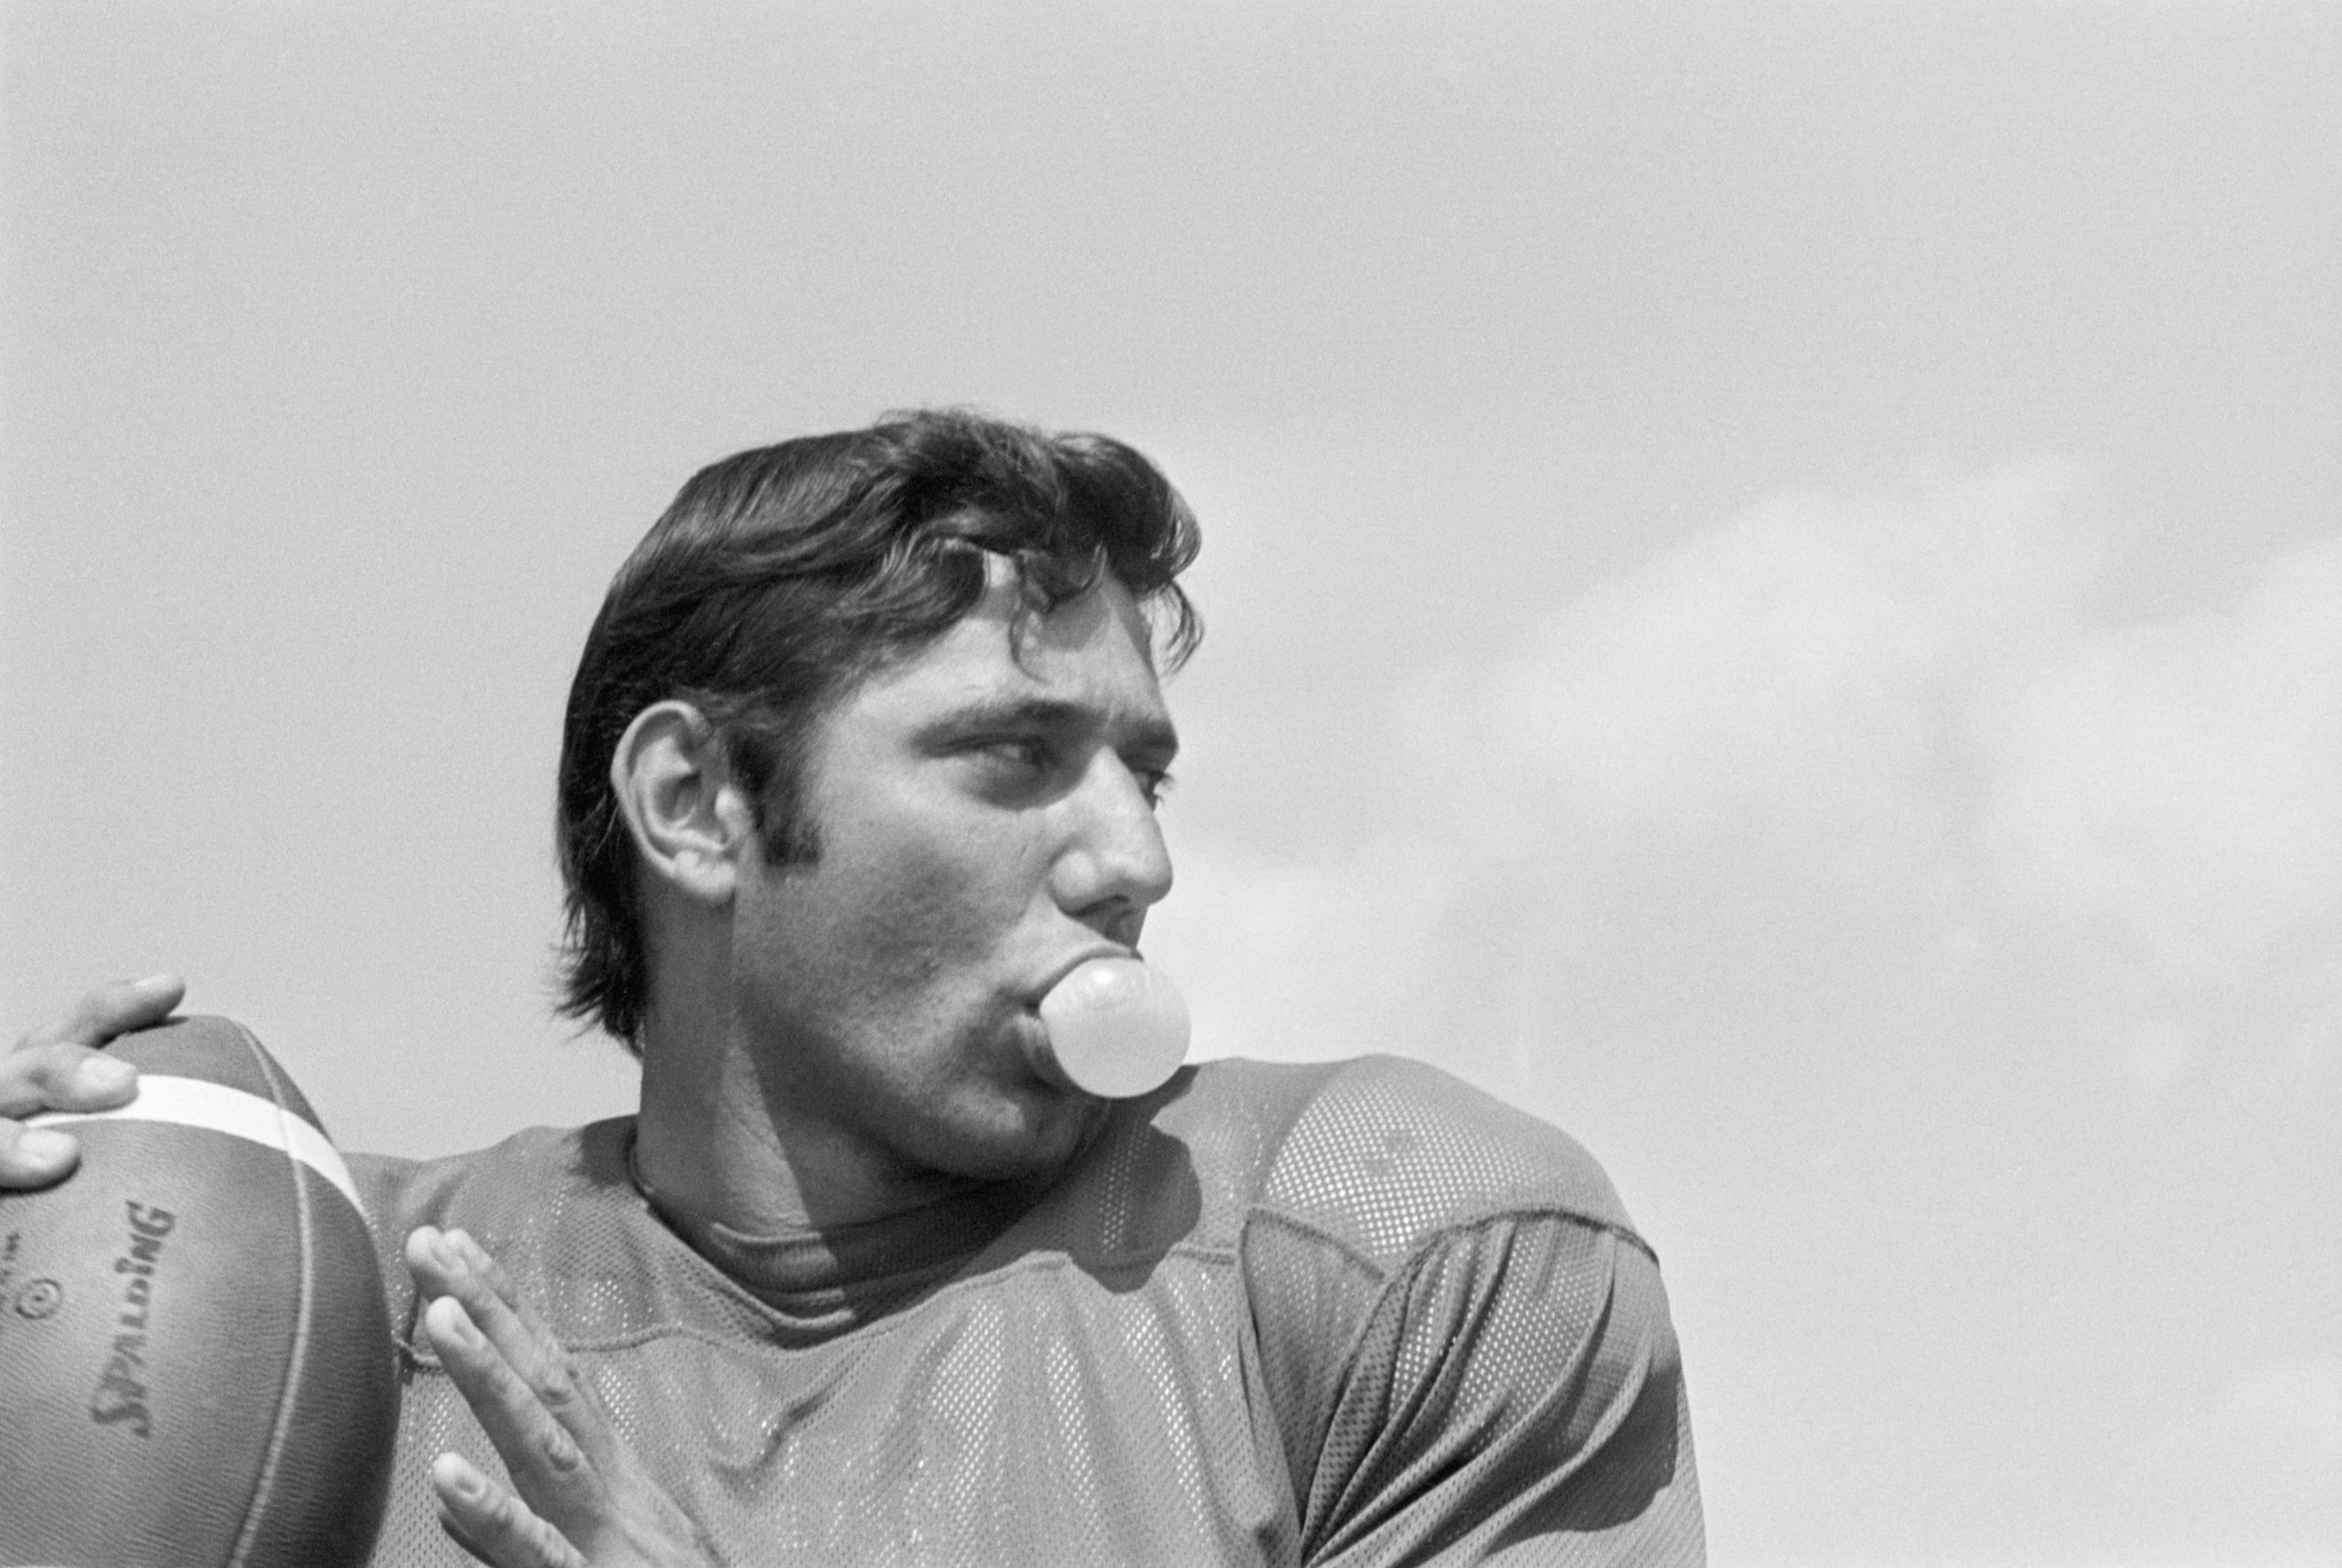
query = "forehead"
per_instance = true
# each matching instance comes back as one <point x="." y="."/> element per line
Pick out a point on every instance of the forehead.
<point x="1092" y="654"/>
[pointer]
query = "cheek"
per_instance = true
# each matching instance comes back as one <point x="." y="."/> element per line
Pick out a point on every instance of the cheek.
<point x="920" y="902"/>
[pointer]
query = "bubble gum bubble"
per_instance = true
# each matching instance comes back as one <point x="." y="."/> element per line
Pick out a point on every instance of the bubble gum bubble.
<point x="1116" y="1026"/>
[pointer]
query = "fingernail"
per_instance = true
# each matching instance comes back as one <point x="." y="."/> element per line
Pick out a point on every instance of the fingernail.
<point x="461" y="1479"/>
<point x="45" y="1146"/>
<point x="103" y="1074"/>
<point x="474" y="1254"/>
<point x="460" y="1323"/>
<point x="442" y="1253"/>
<point x="165" y="978"/>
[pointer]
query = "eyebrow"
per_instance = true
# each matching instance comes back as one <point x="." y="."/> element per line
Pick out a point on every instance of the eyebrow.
<point x="1155" y="739"/>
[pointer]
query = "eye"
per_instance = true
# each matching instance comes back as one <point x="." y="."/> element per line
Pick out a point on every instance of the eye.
<point x="1014" y="766"/>
<point x="1154" y="783"/>
<point x="1020" y="751"/>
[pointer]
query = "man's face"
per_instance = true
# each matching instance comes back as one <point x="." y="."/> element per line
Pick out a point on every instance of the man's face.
<point x="986" y="822"/>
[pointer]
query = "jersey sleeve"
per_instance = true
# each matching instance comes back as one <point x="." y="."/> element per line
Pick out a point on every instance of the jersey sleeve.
<point x="1496" y="1380"/>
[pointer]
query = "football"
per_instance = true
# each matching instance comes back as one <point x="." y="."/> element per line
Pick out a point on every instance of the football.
<point x="196" y="1364"/>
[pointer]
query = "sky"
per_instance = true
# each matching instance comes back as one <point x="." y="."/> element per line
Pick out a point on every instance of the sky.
<point x="1772" y="574"/>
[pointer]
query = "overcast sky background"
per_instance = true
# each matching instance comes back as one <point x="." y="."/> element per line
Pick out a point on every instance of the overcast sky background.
<point x="1775" y="584"/>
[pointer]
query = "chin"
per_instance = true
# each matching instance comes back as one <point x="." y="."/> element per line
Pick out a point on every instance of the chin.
<point x="1029" y="1133"/>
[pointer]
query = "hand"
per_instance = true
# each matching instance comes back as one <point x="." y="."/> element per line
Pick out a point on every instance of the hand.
<point x="64" y="1068"/>
<point x="585" y="1500"/>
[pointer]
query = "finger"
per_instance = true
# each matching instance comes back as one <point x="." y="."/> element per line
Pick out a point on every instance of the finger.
<point x="63" y="1078"/>
<point x="492" y="1524"/>
<point x="507" y="1306"/>
<point x="486" y="1330"/>
<point x="52" y="1078"/>
<point x="451" y="1264"/>
<point x="547" y="1466"/>
<point x="35" y="1157"/>
<point x="113" y="1010"/>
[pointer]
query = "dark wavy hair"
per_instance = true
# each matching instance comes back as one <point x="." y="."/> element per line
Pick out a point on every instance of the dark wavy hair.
<point x="782" y="576"/>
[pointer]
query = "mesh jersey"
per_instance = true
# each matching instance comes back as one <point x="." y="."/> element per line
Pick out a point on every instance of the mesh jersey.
<point x="1350" y="1314"/>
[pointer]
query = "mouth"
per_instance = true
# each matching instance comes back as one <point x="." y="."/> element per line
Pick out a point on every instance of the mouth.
<point x="1032" y="999"/>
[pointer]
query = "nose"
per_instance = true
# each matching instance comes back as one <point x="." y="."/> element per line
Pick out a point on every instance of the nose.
<point x="1112" y="865"/>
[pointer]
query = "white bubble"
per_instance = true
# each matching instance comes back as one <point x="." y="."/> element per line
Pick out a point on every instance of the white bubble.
<point x="1116" y="1026"/>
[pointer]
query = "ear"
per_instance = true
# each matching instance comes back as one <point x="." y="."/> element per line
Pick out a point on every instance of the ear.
<point x="674" y="786"/>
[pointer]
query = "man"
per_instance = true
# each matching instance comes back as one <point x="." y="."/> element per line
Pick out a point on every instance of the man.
<point x="862" y="756"/>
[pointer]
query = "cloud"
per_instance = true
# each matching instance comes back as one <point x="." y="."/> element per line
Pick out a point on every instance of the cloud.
<point x="1787" y="670"/>
<point x="1306" y="959"/>
<point x="2297" y="1403"/>
<point x="2175" y="791"/>
<point x="1932" y="705"/>
<point x="2273" y="1440"/>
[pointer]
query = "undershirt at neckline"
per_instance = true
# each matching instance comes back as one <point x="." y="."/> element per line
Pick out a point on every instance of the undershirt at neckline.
<point x="861" y="1268"/>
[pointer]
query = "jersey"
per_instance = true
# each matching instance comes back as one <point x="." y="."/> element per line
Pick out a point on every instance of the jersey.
<point x="1341" y="1314"/>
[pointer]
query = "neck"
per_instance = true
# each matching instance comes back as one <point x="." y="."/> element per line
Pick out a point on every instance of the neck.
<point x="718" y="1140"/>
